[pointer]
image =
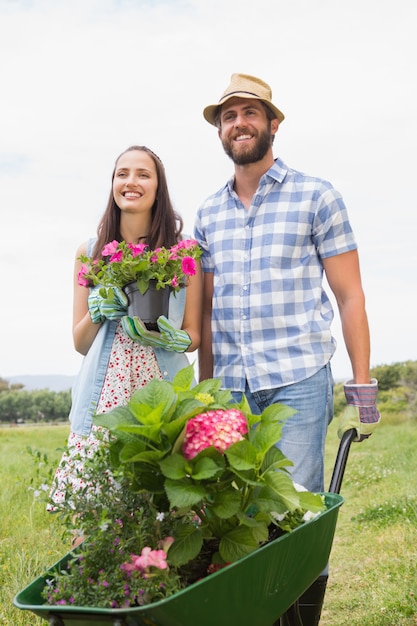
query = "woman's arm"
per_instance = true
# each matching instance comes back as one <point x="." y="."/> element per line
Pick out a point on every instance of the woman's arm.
<point x="193" y="309"/>
<point x="205" y="353"/>
<point x="83" y="329"/>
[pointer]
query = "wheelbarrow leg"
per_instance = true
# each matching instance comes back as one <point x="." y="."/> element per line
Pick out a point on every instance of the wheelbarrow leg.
<point x="311" y="602"/>
<point x="306" y="610"/>
<point x="291" y="617"/>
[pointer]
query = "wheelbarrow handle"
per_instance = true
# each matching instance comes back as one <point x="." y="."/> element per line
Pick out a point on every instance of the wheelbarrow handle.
<point x="341" y="460"/>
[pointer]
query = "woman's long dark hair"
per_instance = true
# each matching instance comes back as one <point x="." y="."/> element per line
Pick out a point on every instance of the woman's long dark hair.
<point x="166" y="224"/>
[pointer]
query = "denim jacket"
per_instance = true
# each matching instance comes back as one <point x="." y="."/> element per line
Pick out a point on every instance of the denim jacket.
<point x="88" y="384"/>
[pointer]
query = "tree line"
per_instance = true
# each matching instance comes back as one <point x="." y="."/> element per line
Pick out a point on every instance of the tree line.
<point x="19" y="406"/>
<point x="397" y="396"/>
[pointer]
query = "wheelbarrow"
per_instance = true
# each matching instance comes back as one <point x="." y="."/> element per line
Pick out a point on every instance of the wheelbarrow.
<point x="257" y="590"/>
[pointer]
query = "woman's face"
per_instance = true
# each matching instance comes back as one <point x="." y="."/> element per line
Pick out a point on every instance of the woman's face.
<point x="135" y="182"/>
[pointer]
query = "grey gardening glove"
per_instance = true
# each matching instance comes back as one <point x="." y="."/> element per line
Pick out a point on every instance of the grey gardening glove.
<point x="112" y="308"/>
<point x="169" y="338"/>
<point x="361" y="412"/>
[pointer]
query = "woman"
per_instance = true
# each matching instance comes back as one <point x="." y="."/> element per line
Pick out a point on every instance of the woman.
<point x="118" y="358"/>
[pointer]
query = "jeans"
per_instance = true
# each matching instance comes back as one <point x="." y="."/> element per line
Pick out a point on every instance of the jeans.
<point x="304" y="433"/>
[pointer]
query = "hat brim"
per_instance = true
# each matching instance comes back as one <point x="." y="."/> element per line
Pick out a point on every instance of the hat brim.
<point x="210" y="111"/>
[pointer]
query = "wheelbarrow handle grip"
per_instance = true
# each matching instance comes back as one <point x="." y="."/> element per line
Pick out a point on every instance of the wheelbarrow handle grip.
<point x="341" y="460"/>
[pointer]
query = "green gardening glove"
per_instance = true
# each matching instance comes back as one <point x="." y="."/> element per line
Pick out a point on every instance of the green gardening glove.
<point x="177" y="340"/>
<point x="361" y="412"/>
<point x="169" y="338"/>
<point x="112" y="308"/>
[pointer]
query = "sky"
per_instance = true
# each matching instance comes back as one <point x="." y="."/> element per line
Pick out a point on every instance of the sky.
<point x="81" y="80"/>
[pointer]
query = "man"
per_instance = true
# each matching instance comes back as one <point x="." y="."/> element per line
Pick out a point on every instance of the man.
<point x="267" y="237"/>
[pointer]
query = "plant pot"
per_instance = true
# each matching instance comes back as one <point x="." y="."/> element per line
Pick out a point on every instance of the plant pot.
<point x="255" y="590"/>
<point x="148" y="306"/>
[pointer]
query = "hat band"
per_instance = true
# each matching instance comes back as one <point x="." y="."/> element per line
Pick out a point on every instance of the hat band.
<point x="227" y="95"/>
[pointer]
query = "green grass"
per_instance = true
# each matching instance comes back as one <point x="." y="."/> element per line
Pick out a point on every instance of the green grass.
<point x="373" y="564"/>
<point x="30" y="538"/>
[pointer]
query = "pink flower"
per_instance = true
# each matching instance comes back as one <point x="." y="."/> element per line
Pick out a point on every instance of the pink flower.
<point x="166" y="543"/>
<point x="154" y="257"/>
<point x="116" y="257"/>
<point x="188" y="266"/>
<point x="174" y="281"/>
<point x="187" y="243"/>
<point x="81" y="280"/>
<point x="110" y="248"/>
<point x="148" y="558"/>
<point x="218" y="428"/>
<point x="137" y="250"/>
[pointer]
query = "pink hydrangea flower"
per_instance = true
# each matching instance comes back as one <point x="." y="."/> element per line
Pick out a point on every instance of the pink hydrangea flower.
<point x="218" y="428"/>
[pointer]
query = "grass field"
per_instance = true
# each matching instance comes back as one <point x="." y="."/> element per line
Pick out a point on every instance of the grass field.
<point x="373" y="567"/>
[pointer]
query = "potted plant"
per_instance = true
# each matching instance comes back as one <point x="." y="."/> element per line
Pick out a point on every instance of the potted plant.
<point x="138" y="270"/>
<point x="189" y="494"/>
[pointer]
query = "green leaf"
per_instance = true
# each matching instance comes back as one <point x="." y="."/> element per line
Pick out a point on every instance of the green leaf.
<point x="241" y="455"/>
<point x="226" y="503"/>
<point x="131" y="449"/>
<point x="185" y="493"/>
<point x="210" y="386"/>
<point x="283" y="486"/>
<point x="174" y="466"/>
<point x="275" y="459"/>
<point x="238" y="542"/>
<point x="187" y="545"/>
<point x="150" y="432"/>
<point x="311" y="501"/>
<point x="183" y="379"/>
<point x="277" y="413"/>
<point x="265" y="438"/>
<point x="151" y="457"/>
<point x="267" y="501"/>
<point x="157" y="393"/>
<point x="204" y="468"/>
<point x="111" y="420"/>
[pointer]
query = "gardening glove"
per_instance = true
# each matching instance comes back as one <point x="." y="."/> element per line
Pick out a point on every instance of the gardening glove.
<point x="361" y="412"/>
<point x="177" y="340"/>
<point x="169" y="338"/>
<point x="112" y="308"/>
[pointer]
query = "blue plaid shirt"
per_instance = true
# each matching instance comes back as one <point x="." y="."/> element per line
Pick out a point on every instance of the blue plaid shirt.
<point x="271" y="316"/>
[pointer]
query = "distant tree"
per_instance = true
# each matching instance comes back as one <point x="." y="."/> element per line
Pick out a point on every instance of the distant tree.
<point x="6" y="386"/>
<point x="388" y="376"/>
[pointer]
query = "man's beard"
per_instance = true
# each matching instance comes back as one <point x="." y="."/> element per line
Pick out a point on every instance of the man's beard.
<point x="252" y="154"/>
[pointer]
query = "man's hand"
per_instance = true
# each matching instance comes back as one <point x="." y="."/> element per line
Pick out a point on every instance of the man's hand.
<point x="361" y="412"/>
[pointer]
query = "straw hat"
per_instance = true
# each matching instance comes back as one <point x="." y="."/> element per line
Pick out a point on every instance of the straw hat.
<point x="244" y="86"/>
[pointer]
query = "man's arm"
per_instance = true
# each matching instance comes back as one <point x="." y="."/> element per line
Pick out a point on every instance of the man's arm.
<point x="343" y="275"/>
<point x="205" y="351"/>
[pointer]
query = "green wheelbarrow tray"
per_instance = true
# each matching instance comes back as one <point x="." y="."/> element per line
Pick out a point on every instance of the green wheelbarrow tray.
<point x="255" y="590"/>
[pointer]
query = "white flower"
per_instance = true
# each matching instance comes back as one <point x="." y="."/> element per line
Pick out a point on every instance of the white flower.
<point x="309" y="515"/>
<point x="160" y="517"/>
